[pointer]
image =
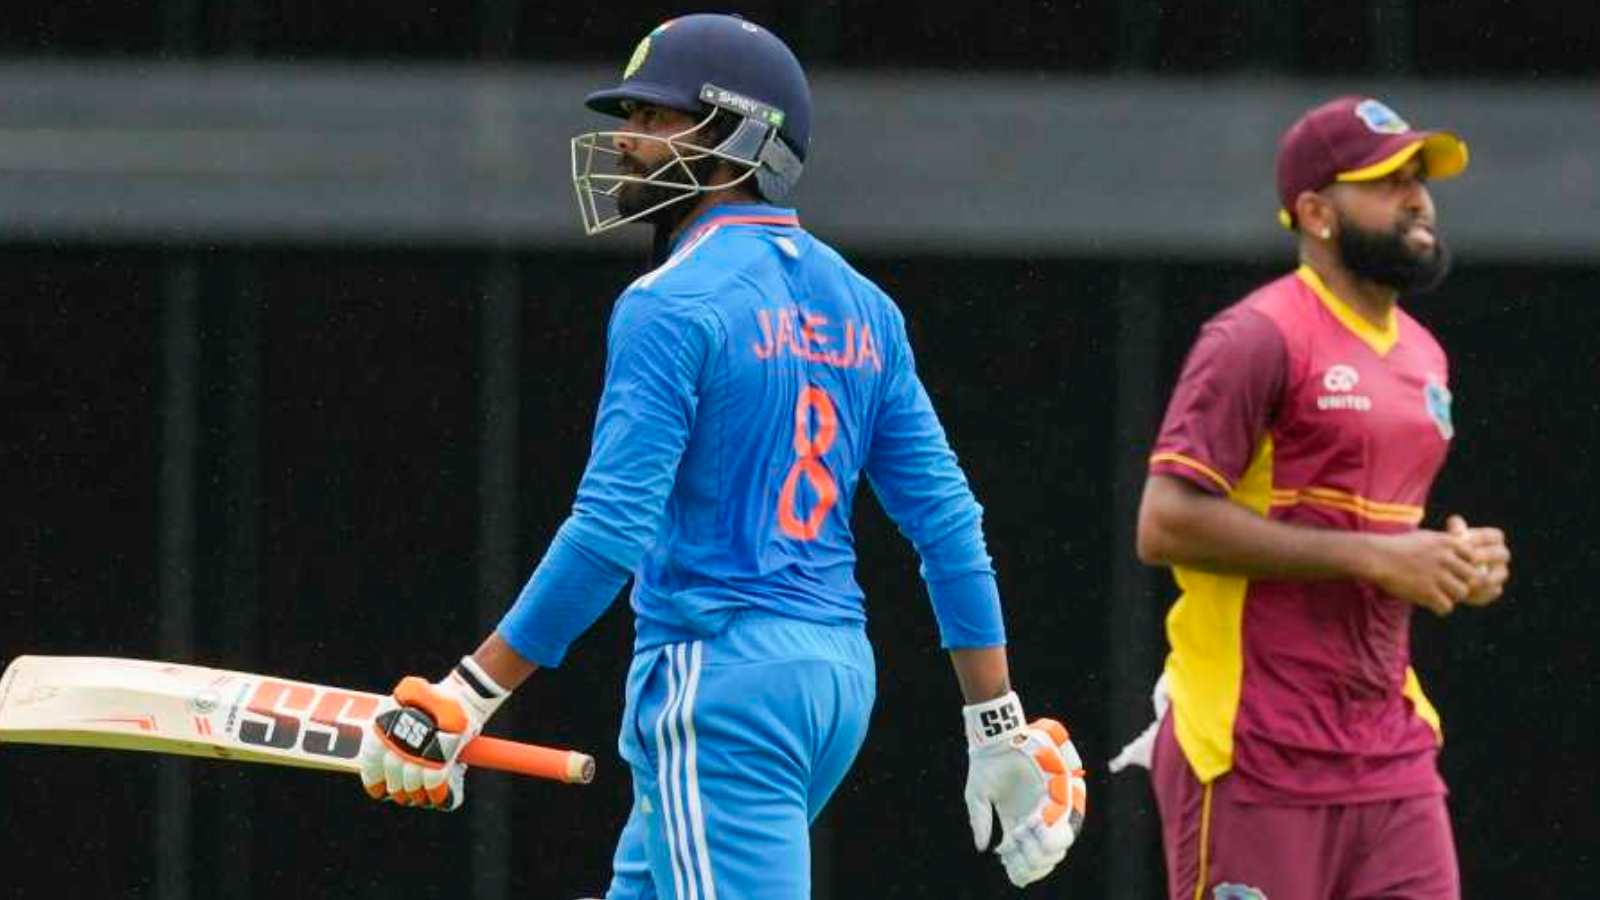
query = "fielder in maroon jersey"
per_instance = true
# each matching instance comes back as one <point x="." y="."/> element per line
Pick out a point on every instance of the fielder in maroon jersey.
<point x="1288" y="488"/>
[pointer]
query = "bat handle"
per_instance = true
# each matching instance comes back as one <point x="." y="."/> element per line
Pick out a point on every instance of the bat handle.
<point x="532" y="760"/>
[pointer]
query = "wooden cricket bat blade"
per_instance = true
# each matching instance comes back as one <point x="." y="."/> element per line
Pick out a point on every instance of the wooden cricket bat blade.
<point x="131" y="704"/>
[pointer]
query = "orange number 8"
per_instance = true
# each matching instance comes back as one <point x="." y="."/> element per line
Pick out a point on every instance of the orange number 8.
<point x="810" y="450"/>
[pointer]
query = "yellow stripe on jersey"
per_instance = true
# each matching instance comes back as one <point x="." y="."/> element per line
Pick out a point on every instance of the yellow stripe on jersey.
<point x="1419" y="701"/>
<point x="1190" y="462"/>
<point x="1205" y="669"/>
<point x="1379" y="339"/>
<point x="1343" y="500"/>
<point x="1203" y="864"/>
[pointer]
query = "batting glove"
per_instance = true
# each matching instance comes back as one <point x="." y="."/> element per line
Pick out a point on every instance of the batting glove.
<point x="410" y="758"/>
<point x="1031" y="776"/>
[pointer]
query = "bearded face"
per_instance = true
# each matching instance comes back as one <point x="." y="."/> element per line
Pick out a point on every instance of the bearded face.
<point x="636" y="197"/>
<point x="1387" y="257"/>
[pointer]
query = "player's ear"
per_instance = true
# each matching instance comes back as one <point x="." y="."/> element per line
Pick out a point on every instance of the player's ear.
<point x="1314" y="214"/>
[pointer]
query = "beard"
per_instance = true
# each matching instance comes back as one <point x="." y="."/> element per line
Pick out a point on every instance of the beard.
<point x="1385" y="258"/>
<point x="634" y="198"/>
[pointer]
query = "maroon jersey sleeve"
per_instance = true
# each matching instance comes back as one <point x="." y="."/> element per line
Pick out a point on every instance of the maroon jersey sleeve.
<point x="1224" y="401"/>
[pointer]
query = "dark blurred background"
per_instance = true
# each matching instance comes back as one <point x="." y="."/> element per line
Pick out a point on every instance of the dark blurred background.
<point x="301" y="347"/>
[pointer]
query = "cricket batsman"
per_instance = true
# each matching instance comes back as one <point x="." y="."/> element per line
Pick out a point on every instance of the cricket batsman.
<point x="1295" y="755"/>
<point x="752" y="378"/>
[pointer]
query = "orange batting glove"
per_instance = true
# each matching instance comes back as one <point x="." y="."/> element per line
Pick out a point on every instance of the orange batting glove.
<point x="410" y="757"/>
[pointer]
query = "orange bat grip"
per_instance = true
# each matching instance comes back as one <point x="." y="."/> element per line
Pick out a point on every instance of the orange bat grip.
<point x="569" y="766"/>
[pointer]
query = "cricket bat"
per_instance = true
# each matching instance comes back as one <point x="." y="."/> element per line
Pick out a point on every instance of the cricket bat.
<point x="131" y="704"/>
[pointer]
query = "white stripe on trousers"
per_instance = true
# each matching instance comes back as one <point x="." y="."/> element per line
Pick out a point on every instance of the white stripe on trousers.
<point x="663" y="777"/>
<point x="695" y="817"/>
<point x="676" y="753"/>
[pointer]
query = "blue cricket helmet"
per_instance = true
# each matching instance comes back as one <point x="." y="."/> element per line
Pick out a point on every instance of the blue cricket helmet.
<point x="713" y="60"/>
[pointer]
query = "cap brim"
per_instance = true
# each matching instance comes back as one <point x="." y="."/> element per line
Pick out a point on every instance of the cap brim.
<point x="1444" y="155"/>
<point x="612" y="100"/>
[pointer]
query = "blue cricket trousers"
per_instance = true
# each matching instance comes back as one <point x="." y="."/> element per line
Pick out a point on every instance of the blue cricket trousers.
<point x="736" y="742"/>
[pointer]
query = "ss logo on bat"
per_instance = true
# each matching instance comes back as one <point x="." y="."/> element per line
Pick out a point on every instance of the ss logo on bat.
<point x="285" y="705"/>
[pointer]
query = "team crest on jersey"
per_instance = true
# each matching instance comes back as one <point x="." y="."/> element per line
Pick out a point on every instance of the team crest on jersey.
<point x="1381" y="118"/>
<point x="1230" y="891"/>
<point x="1438" y="399"/>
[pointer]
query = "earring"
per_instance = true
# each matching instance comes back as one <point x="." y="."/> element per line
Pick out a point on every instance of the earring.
<point x="1326" y="232"/>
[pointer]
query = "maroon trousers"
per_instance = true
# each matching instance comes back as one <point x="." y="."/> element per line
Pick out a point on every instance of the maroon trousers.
<point x="1218" y="848"/>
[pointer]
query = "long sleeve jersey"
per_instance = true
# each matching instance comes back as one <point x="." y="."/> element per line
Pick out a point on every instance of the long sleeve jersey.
<point x="751" y="380"/>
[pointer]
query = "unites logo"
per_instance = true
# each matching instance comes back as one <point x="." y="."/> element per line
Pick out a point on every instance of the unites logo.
<point x="1339" y="381"/>
<point x="1380" y="118"/>
<point x="1230" y="891"/>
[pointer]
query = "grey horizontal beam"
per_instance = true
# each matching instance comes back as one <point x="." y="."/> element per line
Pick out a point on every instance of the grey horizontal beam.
<point x="902" y="162"/>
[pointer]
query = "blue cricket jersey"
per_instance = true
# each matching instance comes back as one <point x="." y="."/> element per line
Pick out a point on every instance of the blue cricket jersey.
<point x="751" y="380"/>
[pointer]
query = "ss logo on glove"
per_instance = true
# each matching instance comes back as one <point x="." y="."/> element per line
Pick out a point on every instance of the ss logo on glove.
<point x="1031" y="778"/>
<point x="999" y="721"/>
<point x="410" y="731"/>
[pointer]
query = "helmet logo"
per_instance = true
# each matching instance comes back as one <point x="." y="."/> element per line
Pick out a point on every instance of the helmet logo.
<point x="641" y="52"/>
<point x="739" y="104"/>
<point x="1380" y="118"/>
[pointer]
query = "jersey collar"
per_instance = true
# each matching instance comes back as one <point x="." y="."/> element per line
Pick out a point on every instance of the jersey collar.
<point x="735" y="214"/>
<point x="1379" y="339"/>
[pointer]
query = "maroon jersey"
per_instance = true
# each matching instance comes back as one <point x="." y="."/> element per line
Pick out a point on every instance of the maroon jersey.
<point x="1292" y="405"/>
